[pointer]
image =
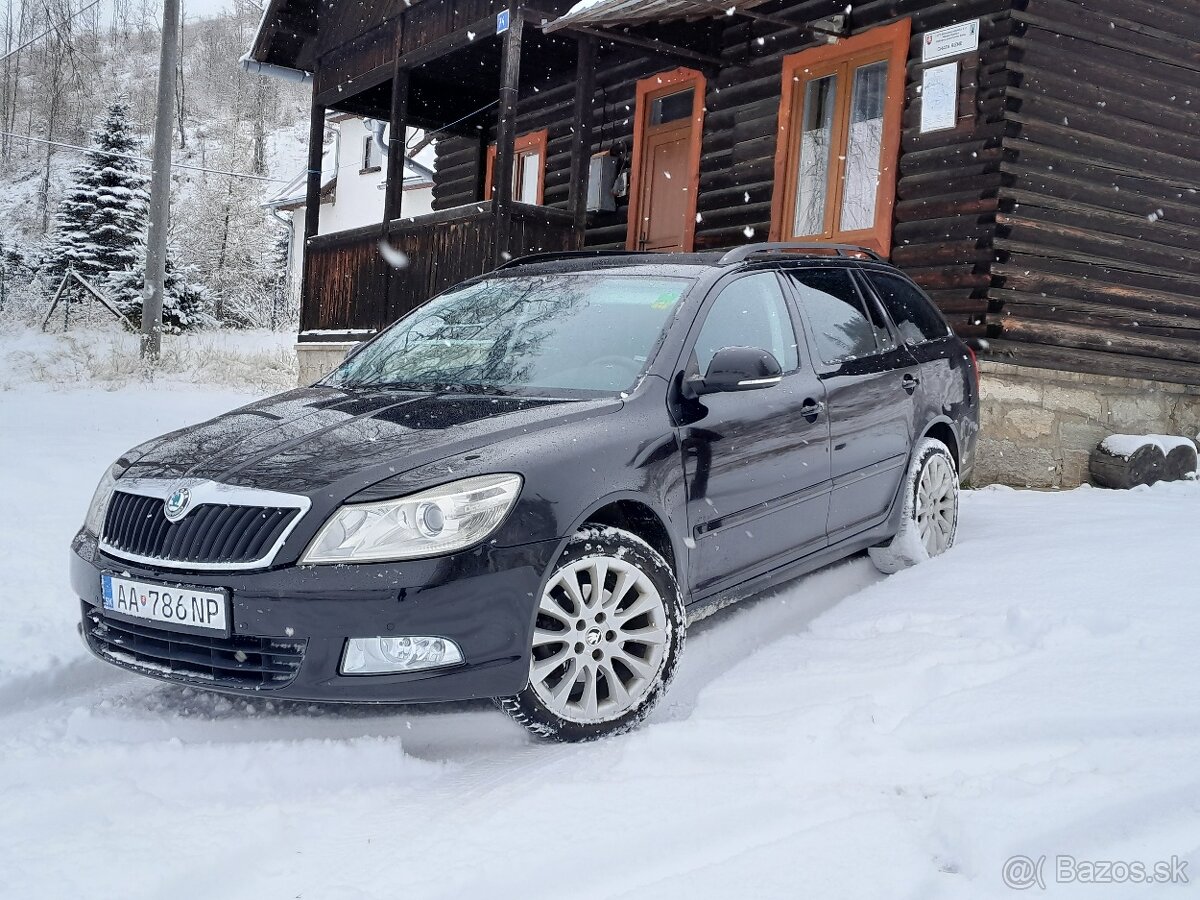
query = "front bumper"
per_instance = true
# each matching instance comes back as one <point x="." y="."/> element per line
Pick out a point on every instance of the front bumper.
<point x="484" y="599"/>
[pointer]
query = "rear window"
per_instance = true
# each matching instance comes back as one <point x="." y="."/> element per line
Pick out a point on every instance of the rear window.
<point x="835" y="312"/>
<point x="916" y="318"/>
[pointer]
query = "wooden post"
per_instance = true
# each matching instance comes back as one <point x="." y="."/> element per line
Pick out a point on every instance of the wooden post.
<point x="160" y="185"/>
<point x="581" y="145"/>
<point x="393" y="198"/>
<point x="506" y="134"/>
<point x="312" y="205"/>
<point x="312" y="193"/>
<point x="62" y="286"/>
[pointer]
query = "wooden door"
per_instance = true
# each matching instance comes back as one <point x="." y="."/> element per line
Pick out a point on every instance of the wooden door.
<point x="665" y="207"/>
<point x="666" y="161"/>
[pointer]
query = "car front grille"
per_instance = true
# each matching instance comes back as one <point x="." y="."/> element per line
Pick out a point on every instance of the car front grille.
<point x="211" y="533"/>
<point x="246" y="663"/>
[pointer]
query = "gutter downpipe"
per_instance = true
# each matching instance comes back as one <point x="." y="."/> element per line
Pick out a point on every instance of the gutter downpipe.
<point x="296" y="76"/>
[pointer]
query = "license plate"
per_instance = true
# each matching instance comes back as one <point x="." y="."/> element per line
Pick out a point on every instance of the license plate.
<point x="172" y="606"/>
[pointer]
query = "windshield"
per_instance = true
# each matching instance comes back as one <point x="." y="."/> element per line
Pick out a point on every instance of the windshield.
<point x="544" y="333"/>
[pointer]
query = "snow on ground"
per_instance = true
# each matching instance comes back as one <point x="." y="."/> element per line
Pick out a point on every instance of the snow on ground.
<point x="108" y="357"/>
<point x="1035" y="691"/>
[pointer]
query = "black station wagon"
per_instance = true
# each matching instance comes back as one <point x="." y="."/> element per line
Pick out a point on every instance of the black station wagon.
<point x="525" y="488"/>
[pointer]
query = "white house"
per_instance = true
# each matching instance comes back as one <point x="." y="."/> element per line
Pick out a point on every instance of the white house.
<point x="352" y="182"/>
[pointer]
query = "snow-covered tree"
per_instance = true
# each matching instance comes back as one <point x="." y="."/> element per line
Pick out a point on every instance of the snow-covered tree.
<point x="187" y="303"/>
<point x="100" y="226"/>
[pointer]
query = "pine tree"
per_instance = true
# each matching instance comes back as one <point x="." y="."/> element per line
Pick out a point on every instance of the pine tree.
<point x="100" y="226"/>
<point x="186" y="302"/>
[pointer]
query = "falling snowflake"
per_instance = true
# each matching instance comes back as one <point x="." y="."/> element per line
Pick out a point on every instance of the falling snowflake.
<point x="393" y="256"/>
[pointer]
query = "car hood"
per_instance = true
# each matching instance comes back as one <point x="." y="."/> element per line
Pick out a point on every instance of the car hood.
<point x="328" y="440"/>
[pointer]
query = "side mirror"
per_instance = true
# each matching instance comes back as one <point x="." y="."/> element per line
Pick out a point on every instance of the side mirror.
<point x="738" y="369"/>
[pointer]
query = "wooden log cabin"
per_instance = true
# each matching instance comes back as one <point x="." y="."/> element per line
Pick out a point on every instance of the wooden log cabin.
<point x="1034" y="164"/>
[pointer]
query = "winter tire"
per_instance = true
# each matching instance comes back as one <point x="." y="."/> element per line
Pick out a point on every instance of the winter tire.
<point x="1180" y="463"/>
<point x="602" y="658"/>
<point x="929" y="520"/>
<point x="1146" y="465"/>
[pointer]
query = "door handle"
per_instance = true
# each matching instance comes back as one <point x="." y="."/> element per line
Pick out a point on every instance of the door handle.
<point x="812" y="409"/>
<point x="910" y="383"/>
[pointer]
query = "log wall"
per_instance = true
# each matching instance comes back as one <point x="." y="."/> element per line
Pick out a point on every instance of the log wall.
<point x="1060" y="217"/>
<point x="1098" y="238"/>
<point x="944" y="220"/>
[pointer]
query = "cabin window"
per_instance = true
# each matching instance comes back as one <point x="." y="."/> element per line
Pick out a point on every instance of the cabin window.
<point x="529" y="169"/>
<point x="672" y="107"/>
<point x="839" y="139"/>
<point x="372" y="157"/>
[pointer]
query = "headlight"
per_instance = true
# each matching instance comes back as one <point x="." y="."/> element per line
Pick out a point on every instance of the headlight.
<point x="440" y="520"/>
<point x="104" y="491"/>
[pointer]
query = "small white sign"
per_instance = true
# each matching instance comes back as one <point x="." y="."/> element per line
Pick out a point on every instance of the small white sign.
<point x="939" y="98"/>
<point x="950" y="41"/>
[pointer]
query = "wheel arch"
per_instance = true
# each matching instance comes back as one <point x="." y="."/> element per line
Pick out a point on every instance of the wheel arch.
<point x="943" y="429"/>
<point x="638" y="515"/>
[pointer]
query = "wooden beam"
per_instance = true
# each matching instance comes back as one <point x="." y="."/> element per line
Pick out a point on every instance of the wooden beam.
<point x="348" y="90"/>
<point x="393" y="196"/>
<point x="449" y="43"/>
<point x="506" y="131"/>
<point x="581" y="140"/>
<point x="653" y="44"/>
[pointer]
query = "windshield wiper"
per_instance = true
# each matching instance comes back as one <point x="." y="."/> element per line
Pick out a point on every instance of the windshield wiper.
<point x="488" y="390"/>
<point x="414" y="386"/>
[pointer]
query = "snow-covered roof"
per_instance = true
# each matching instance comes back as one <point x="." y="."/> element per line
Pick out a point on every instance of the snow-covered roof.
<point x="633" y="12"/>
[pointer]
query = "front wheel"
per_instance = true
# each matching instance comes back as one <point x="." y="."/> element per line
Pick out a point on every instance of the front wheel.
<point x="608" y="634"/>
<point x="929" y="521"/>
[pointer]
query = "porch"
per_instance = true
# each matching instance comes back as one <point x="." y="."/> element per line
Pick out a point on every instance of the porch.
<point x="350" y="289"/>
<point x="456" y="80"/>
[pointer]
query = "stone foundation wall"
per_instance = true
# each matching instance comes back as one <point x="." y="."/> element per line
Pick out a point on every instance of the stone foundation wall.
<point x="1038" y="426"/>
<point x="318" y="360"/>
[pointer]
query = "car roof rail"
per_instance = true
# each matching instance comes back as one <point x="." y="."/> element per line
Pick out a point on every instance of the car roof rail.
<point x="551" y="255"/>
<point x="741" y="254"/>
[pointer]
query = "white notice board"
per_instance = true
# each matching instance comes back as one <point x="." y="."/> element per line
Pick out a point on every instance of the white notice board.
<point x="939" y="98"/>
<point x="953" y="40"/>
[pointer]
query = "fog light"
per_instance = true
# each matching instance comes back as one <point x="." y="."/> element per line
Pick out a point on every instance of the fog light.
<point x="372" y="656"/>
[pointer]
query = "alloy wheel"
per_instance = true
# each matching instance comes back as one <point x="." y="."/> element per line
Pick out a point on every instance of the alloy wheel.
<point x="599" y="640"/>
<point x="937" y="504"/>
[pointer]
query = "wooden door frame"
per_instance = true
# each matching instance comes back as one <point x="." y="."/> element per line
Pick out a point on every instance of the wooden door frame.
<point x="533" y="140"/>
<point x="800" y="68"/>
<point x="649" y="89"/>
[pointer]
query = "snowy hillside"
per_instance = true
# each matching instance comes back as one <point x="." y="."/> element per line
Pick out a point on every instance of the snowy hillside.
<point x="238" y="138"/>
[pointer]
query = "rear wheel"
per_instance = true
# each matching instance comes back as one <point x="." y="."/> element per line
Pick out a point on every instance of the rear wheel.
<point x="608" y="634"/>
<point x="929" y="521"/>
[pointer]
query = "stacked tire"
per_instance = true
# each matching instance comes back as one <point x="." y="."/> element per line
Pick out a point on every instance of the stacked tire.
<point x="1121" y="462"/>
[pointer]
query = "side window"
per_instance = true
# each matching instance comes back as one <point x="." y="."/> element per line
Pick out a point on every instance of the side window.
<point x="750" y="312"/>
<point x="834" y="309"/>
<point x="915" y="317"/>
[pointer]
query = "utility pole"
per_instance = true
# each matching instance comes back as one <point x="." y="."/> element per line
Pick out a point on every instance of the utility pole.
<point x="160" y="186"/>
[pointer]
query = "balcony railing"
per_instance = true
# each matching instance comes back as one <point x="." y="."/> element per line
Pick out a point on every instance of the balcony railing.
<point x="350" y="288"/>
